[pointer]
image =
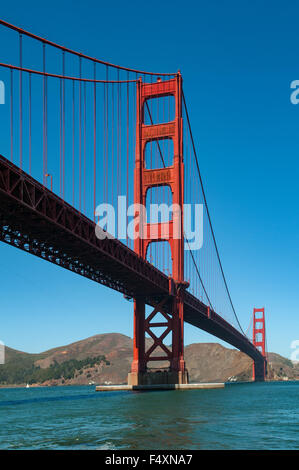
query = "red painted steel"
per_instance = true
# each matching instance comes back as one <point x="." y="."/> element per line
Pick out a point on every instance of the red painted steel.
<point x="144" y="179"/>
<point x="36" y="220"/>
<point x="259" y="367"/>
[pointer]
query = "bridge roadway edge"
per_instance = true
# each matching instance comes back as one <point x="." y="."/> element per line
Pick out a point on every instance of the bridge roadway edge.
<point x="36" y="220"/>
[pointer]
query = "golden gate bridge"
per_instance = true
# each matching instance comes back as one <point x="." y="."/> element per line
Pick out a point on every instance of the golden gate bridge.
<point x="77" y="132"/>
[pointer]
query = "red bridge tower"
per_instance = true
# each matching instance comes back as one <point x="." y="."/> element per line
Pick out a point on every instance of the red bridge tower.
<point x="259" y="340"/>
<point x="144" y="179"/>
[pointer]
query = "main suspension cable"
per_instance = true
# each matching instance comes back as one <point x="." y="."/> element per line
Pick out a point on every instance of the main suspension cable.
<point x="208" y="213"/>
<point x="78" y="54"/>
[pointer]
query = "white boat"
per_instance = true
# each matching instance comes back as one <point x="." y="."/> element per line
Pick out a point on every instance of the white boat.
<point x="27" y="386"/>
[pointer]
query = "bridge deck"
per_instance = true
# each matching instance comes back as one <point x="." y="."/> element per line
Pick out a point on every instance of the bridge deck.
<point x="36" y="220"/>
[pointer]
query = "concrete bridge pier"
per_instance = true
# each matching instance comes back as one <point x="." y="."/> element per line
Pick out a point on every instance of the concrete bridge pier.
<point x="159" y="377"/>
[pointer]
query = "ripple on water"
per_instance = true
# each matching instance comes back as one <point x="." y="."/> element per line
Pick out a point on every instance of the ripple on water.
<point x="247" y="416"/>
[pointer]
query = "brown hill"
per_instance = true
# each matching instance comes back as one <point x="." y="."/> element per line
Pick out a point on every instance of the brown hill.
<point x="281" y="368"/>
<point x="211" y="362"/>
<point x="116" y="348"/>
<point x="206" y="362"/>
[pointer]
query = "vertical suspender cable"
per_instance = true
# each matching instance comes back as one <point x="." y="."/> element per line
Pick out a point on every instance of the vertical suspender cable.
<point x="73" y="142"/>
<point x="60" y="137"/>
<point x="118" y="163"/>
<point x="120" y="141"/>
<point x="107" y="132"/>
<point x="11" y="114"/>
<point x="80" y="133"/>
<point x="21" y="104"/>
<point x="84" y="112"/>
<point x="127" y="171"/>
<point x="30" y="130"/>
<point x="46" y="124"/>
<point x="44" y="118"/>
<point x="112" y="142"/>
<point x="63" y="124"/>
<point x="94" y="143"/>
<point x="104" y="143"/>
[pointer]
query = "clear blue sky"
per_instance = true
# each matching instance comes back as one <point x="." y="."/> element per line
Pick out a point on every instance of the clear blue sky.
<point x="238" y="59"/>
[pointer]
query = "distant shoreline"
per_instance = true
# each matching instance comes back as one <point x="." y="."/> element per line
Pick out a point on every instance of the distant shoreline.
<point x="44" y="386"/>
<point x="93" y="385"/>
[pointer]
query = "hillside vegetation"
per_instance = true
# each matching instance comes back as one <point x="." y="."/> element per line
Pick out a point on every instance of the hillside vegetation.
<point x="107" y="358"/>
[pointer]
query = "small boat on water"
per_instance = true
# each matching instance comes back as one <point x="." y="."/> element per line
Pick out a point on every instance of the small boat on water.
<point x="27" y="386"/>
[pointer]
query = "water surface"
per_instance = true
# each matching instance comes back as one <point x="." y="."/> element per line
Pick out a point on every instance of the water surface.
<point x="240" y="416"/>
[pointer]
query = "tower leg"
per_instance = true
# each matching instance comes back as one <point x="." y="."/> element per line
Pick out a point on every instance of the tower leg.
<point x="178" y="366"/>
<point x="259" y="371"/>
<point x="138" y="365"/>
